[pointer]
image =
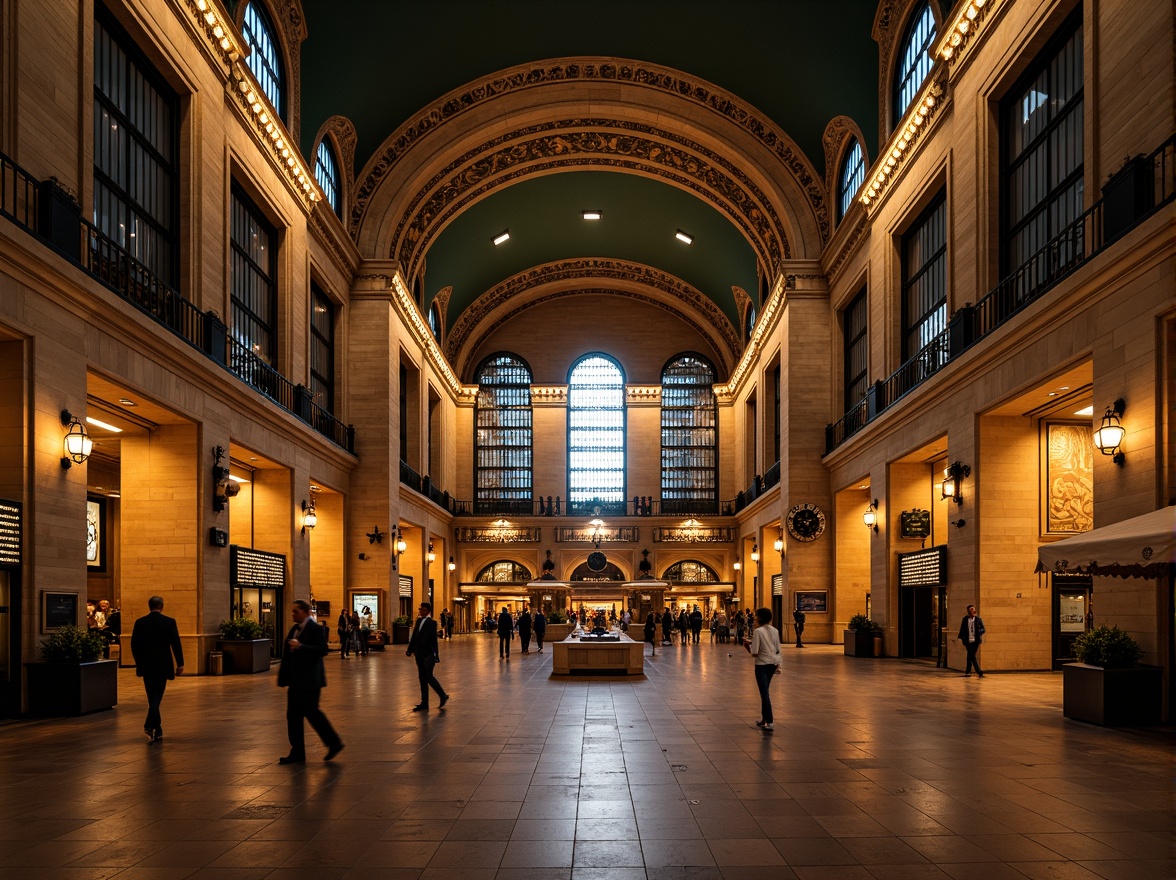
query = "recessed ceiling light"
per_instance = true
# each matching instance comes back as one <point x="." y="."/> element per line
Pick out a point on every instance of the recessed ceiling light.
<point x="1052" y="394"/>
<point x="238" y="479"/>
<point x="1086" y="411"/>
<point x="126" y="402"/>
<point x="501" y="237"/>
<point x="685" y="237"/>
<point x="103" y="425"/>
<point x="591" y="215"/>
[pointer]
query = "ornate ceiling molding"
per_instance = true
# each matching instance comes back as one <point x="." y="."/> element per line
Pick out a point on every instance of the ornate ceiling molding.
<point x="558" y="74"/>
<point x="588" y="143"/>
<point x="591" y="276"/>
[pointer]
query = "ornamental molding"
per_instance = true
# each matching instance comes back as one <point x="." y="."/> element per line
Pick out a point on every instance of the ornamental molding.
<point x="498" y="535"/>
<point x="759" y="335"/>
<point x="720" y="535"/>
<point x="582" y="143"/>
<point x="683" y="300"/>
<point x="291" y="25"/>
<point x="342" y="133"/>
<point x="889" y="24"/>
<point x="624" y="535"/>
<point x="835" y="140"/>
<point x="557" y="74"/>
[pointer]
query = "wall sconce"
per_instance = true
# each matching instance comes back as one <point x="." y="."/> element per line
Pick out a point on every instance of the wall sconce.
<point x="755" y="552"/>
<point x="597" y="525"/>
<point x="452" y="564"/>
<point x="375" y="537"/>
<point x="1109" y="435"/>
<point x="870" y="517"/>
<point x="432" y="556"/>
<point x="953" y="480"/>
<point x="738" y="566"/>
<point x="778" y="545"/>
<point x="223" y="486"/>
<point x="401" y="544"/>
<point x="309" y="517"/>
<point x="77" y="444"/>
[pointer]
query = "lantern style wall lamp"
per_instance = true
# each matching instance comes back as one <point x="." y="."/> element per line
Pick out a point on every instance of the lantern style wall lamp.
<point x="870" y="517"/>
<point x="779" y="543"/>
<point x="755" y="552"/>
<point x="309" y="517"/>
<point x="432" y="556"/>
<point x="77" y="443"/>
<point x="953" y="481"/>
<point x="738" y="566"/>
<point x="452" y="564"/>
<point x="1110" y="434"/>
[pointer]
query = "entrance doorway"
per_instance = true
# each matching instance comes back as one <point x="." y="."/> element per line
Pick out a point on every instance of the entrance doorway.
<point x="921" y="611"/>
<point x="1072" y="614"/>
<point x="264" y="606"/>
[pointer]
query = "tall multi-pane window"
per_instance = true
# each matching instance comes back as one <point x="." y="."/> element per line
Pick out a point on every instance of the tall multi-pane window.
<point x="596" y="435"/>
<point x="135" y="153"/>
<point x="326" y="172"/>
<point x="857" y="339"/>
<point x="254" y="288"/>
<point x="1042" y="120"/>
<point x="853" y="173"/>
<point x="914" y="58"/>
<point x="503" y="436"/>
<point x="777" y="412"/>
<point x="503" y="572"/>
<point x="690" y="571"/>
<point x="322" y="349"/>
<point x="264" y="58"/>
<point x="924" y="280"/>
<point x="689" y="437"/>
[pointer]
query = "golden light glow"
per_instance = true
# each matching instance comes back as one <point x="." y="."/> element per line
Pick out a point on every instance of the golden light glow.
<point x="963" y="27"/>
<point x="902" y="141"/>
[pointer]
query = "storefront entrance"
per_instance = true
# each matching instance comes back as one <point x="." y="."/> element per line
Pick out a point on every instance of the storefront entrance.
<point x="1072" y="614"/>
<point x="921" y="611"/>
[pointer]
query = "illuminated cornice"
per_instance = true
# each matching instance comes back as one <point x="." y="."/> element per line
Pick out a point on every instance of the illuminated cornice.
<point x="965" y="26"/>
<point x="273" y="134"/>
<point x="643" y="394"/>
<point x="216" y="24"/>
<point x="767" y="320"/>
<point x="424" y="338"/>
<point x="549" y="394"/>
<point x="906" y="134"/>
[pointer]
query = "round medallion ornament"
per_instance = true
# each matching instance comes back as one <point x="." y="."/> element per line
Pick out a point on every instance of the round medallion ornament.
<point x="806" y="522"/>
<point x="597" y="561"/>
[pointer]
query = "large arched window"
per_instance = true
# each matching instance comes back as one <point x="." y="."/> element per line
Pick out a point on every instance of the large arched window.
<point x="689" y="437"/>
<point x="749" y="323"/>
<point x="503" y="436"/>
<point x="326" y="172"/>
<point x="690" y="571"/>
<point x="853" y="173"/>
<point x="503" y="572"/>
<point x="264" y="56"/>
<point x="914" y="58"/>
<point x="435" y="321"/>
<point x="596" y="436"/>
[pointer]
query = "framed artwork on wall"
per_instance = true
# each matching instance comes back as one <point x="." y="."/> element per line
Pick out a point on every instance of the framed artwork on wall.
<point x="58" y="610"/>
<point x="96" y="534"/>
<point x="1068" y="491"/>
<point x="812" y="601"/>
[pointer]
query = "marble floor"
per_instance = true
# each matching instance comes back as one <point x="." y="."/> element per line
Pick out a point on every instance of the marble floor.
<point x="876" y="769"/>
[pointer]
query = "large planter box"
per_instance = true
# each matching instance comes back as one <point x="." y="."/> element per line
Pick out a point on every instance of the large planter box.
<point x="72" y="688"/>
<point x="401" y="635"/>
<point x="859" y="643"/>
<point x="245" y="657"/>
<point x="1112" y="697"/>
<point x="556" y="632"/>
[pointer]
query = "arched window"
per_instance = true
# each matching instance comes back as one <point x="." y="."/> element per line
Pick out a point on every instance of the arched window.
<point x="264" y="56"/>
<point x="689" y="437"/>
<point x="596" y="436"/>
<point x="749" y="323"/>
<point x="326" y="172"/>
<point x="690" y="571"/>
<point x="503" y="572"/>
<point x="503" y="436"/>
<point x="585" y="572"/>
<point x="914" y="58"/>
<point x="853" y="173"/>
<point x="435" y="321"/>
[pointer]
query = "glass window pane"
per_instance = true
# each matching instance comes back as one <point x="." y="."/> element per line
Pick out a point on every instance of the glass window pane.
<point x="853" y="174"/>
<point x="914" y="58"/>
<point x="326" y="172"/>
<point x="503" y="436"/>
<point x="596" y="434"/>
<point x="689" y="437"/>
<point x="264" y="60"/>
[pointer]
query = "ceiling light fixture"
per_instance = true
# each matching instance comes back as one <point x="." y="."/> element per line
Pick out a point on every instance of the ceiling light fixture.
<point x="591" y="215"/>
<point x="1087" y="411"/>
<point x="103" y="425"/>
<point x="684" y="237"/>
<point x="501" y="237"/>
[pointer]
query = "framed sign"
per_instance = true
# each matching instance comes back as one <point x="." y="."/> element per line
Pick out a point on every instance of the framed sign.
<point x="96" y="534"/>
<point x="914" y="523"/>
<point x="815" y="601"/>
<point x="58" y="610"/>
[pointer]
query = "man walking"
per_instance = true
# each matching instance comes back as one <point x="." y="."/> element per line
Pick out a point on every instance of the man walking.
<point x="423" y="646"/>
<point x="695" y="624"/>
<point x="505" y="634"/>
<point x="154" y="640"/>
<point x="798" y="619"/>
<point x="971" y="634"/>
<point x="525" y="631"/>
<point x="304" y="676"/>
<point x="540" y="626"/>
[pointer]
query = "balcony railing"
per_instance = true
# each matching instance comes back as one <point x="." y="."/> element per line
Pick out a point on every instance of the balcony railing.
<point x="555" y="506"/>
<point x="1142" y="187"/>
<point x="46" y="211"/>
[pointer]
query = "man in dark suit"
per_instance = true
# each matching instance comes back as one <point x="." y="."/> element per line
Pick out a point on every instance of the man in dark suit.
<point x="972" y="634"/>
<point x="423" y="646"/>
<point x="154" y="640"/>
<point x="540" y="626"/>
<point x="505" y="633"/>
<point x="304" y="676"/>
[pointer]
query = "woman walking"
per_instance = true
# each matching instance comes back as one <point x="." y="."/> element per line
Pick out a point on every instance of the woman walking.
<point x="764" y="646"/>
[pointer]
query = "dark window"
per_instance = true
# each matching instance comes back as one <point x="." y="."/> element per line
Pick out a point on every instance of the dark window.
<point x="914" y="58"/>
<point x="924" y="279"/>
<point x="403" y="401"/>
<point x="264" y="59"/>
<point x="1043" y="150"/>
<point x="322" y="349"/>
<point x="326" y="172"/>
<point x="853" y="173"/>
<point x="749" y="323"/>
<point x="857" y="340"/>
<point x="135" y="153"/>
<point x="503" y="572"/>
<point x="254" y="287"/>
<point x="778" y="421"/>
<point x="503" y="436"/>
<point x="596" y="434"/>
<point x="689" y="571"/>
<point x="689" y="437"/>
<point x="435" y="321"/>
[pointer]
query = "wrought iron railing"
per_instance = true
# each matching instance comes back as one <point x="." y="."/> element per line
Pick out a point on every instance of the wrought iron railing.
<point x="52" y="215"/>
<point x="1143" y="186"/>
<point x="555" y="506"/>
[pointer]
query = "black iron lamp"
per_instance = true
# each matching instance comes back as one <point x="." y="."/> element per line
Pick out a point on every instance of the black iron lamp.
<point x="431" y="556"/>
<point x="870" y="517"/>
<point x="779" y="543"/>
<point x="452" y="564"/>
<point x="1110" y="433"/>
<point x="755" y="552"/>
<point x="953" y="480"/>
<point x="309" y="517"/>
<point x="77" y="443"/>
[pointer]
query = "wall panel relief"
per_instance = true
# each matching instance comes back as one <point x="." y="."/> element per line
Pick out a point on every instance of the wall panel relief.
<point x="1069" y="479"/>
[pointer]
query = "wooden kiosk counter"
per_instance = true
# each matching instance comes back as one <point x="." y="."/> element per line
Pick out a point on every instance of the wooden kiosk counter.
<point x="621" y="656"/>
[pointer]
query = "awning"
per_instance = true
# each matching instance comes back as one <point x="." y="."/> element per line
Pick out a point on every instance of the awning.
<point x="1143" y="546"/>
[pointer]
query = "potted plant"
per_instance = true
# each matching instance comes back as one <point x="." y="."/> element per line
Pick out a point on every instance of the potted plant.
<point x="1108" y="685"/>
<point x="557" y="626"/>
<point x="244" y="645"/>
<point x="402" y="630"/>
<point x="72" y="678"/>
<point x="859" y="636"/>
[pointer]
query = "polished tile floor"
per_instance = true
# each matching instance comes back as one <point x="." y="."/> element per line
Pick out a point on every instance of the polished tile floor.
<point x="877" y="769"/>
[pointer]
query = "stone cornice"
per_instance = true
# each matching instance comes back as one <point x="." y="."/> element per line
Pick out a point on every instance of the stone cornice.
<point x="763" y="327"/>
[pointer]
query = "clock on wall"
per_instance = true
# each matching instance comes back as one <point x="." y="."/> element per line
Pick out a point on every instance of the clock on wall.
<point x="806" y="522"/>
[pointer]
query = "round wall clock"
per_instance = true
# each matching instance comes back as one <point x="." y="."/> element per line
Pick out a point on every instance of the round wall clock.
<point x="806" y="522"/>
<point x="597" y="561"/>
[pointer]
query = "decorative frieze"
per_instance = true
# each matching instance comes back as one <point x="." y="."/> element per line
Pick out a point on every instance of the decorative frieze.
<point x="623" y="535"/>
<point x="498" y="535"/>
<point x="691" y="535"/>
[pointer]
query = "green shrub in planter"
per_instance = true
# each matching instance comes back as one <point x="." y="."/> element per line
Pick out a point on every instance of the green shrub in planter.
<point x="241" y="629"/>
<point x="72" y="645"/>
<point x="556" y="616"/>
<point x="402" y="620"/>
<point x="861" y="622"/>
<point x="1108" y="647"/>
